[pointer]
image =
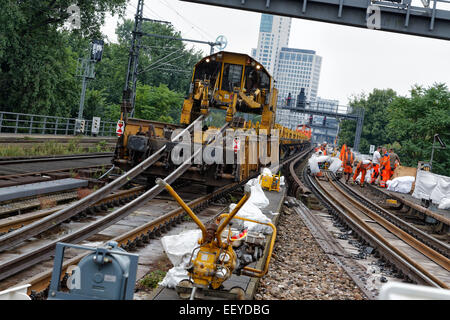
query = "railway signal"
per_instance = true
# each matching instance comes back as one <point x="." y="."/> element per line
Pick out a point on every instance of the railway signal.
<point x="95" y="125"/>
<point x="86" y="70"/>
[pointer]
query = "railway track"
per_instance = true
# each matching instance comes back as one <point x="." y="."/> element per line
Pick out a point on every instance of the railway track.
<point x="410" y="255"/>
<point x="114" y="199"/>
<point x="31" y="170"/>
<point x="134" y="231"/>
<point x="32" y="226"/>
<point x="13" y="238"/>
<point x="437" y="245"/>
<point x="23" y="261"/>
<point x="41" y="159"/>
<point x="130" y="239"/>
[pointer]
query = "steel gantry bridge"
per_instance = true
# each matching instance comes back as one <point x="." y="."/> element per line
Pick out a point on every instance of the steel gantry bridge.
<point x="398" y="16"/>
<point x="338" y="112"/>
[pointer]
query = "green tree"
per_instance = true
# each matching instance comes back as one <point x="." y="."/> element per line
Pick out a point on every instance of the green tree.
<point x="36" y="59"/>
<point x="376" y="118"/>
<point x="158" y="103"/>
<point x="165" y="61"/>
<point x="416" y="119"/>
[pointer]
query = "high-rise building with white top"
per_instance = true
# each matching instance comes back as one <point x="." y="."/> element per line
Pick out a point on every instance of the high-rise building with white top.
<point x="273" y="35"/>
<point x="296" y="69"/>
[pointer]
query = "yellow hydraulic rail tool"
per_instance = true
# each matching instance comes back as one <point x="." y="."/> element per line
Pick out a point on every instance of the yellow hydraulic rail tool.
<point x="215" y="260"/>
<point x="270" y="182"/>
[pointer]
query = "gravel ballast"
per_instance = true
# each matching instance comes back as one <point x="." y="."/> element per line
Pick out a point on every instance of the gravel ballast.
<point x="301" y="270"/>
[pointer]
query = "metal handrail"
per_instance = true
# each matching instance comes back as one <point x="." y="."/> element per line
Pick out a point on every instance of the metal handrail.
<point x="22" y="123"/>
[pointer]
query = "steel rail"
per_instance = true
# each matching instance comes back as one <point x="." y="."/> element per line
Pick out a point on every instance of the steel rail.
<point x="18" y="175"/>
<point x="13" y="238"/>
<point x="401" y="234"/>
<point x="432" y="242"/>
<point x="300" y="185"/>
<point x="41" y="281"/>
<point x="412" y="268"/>
<point x="383" y="249"/>
<point x="19" y="221"/>
<point x="32" y="257"/>
<point x="57" y="158"/>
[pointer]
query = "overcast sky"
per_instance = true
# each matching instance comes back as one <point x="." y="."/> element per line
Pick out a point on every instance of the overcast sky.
<point x="355" y="60"/>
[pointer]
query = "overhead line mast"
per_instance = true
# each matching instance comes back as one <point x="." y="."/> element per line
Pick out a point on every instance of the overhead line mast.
<point x="129" y="92"/>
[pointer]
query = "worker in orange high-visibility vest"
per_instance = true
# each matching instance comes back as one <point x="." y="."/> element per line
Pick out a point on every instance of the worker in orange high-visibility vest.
<point x="376" y="165"/>
<point x="323" y="147"/>
<point x="394" y="159"/>
<point x="347" y="158"/>
<point x="385" y="167"/>
<point x="362" y="168"/>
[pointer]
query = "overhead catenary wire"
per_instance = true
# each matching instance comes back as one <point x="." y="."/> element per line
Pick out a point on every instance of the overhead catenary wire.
<point x="159" y="65"/>
<point x="204" y="34"/>
<point x="160" y="59"/>
<point x="173" y="70"/>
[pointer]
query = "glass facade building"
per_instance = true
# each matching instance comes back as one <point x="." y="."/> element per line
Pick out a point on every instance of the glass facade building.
<point x="273" y="35"/>
<point x="296" y="69"/>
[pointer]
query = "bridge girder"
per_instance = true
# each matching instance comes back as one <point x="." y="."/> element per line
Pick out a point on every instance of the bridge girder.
<point x="393" y="17"/>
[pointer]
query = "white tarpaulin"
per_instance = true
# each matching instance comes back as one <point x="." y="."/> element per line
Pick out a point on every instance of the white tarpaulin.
<point x="431" y="186"/>
<point x="400" y="184"/>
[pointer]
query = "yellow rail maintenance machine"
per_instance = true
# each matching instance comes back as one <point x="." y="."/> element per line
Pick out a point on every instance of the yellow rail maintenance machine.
<point x="217" y="257"/>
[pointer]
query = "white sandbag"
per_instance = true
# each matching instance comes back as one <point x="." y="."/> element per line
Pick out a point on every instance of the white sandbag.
<point x="282" y="181"/>
<point x="368" y="176"/>
<point x="250" y="211"/>
<point x="174" y="276"/>
<point x="254" y="181"/>
<point x="258" y="197"/>
<point x="266" y="172"/>
<point x="313" y="165"/>
<point x="400" y="184"/>
<point x="177" y="246"/>
<point x="445" y="204"/>
<point x="179" y="250"/>
<point x="336" y="163"/>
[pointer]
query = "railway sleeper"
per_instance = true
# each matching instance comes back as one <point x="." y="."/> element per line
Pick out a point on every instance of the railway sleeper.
<point x="145" y="238"/>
